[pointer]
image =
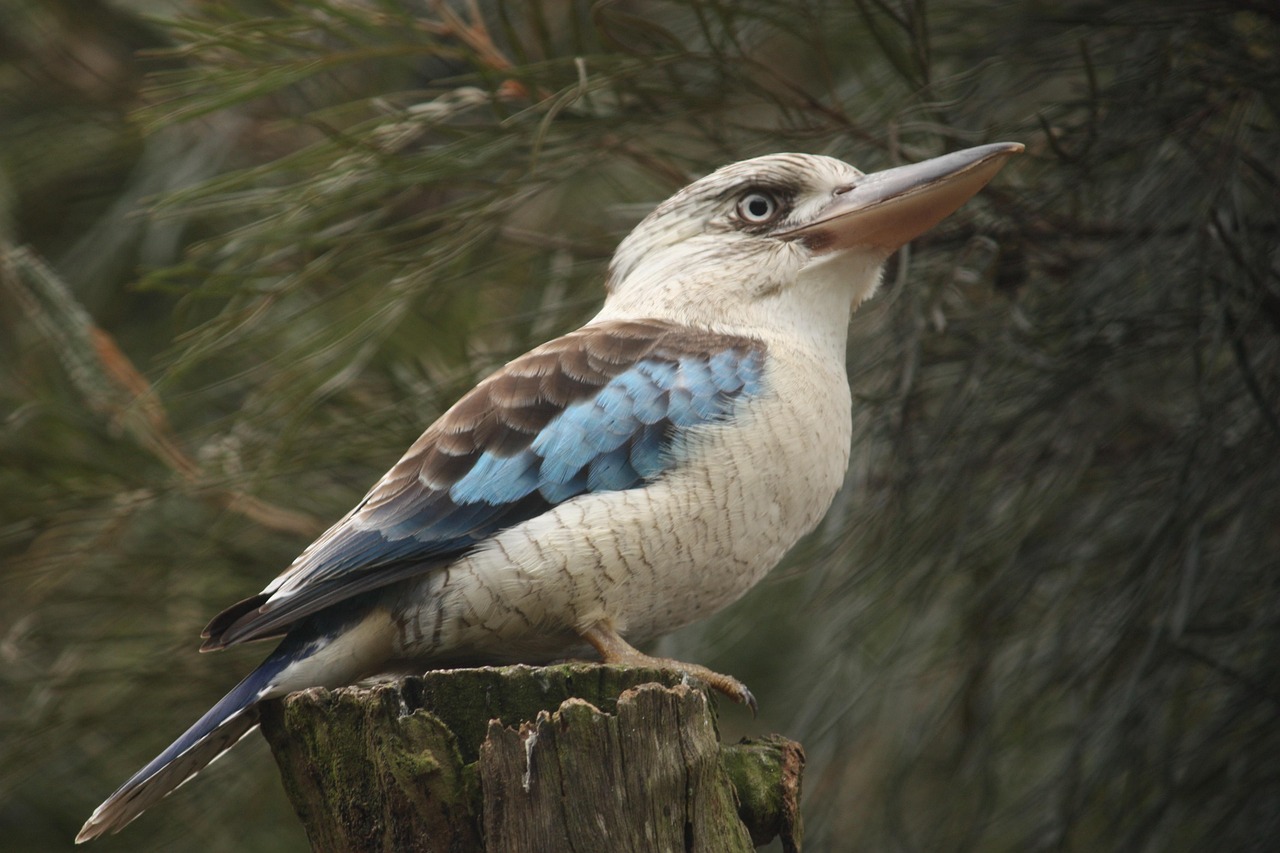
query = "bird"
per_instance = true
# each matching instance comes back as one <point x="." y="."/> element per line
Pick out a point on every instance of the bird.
<point x="613" y="484"/>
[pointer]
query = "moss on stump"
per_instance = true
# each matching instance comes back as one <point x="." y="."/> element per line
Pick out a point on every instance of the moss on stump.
<point x="512" y="759"/>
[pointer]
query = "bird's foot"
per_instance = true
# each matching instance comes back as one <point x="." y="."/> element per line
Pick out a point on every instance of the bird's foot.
<point x="614" y="649"/>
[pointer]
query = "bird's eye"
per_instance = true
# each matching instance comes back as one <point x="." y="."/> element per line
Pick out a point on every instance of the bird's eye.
<point x="758" y="208"/>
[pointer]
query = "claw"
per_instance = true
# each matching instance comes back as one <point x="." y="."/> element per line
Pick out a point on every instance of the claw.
<point x="614" y="649"/>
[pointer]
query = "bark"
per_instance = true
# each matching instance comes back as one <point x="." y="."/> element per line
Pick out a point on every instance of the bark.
<point x="576" y="757"/>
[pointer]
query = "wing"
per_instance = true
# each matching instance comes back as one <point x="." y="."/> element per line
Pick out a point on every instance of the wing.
<point x="596" y="410"/>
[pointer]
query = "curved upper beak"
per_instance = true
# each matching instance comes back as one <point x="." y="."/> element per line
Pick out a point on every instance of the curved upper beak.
<point x="885" y="210"/>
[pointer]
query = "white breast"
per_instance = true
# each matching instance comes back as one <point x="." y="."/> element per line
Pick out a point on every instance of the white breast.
<point x="655" y="558"/>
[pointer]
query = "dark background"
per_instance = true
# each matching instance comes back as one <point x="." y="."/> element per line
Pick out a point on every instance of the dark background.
<point x="254" y="248"/>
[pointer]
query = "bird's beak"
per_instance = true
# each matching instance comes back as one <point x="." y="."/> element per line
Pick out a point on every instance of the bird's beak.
<point x="885" y="210"/>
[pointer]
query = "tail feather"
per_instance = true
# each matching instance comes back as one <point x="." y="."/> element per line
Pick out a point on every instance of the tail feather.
<point x="233" y="717"/>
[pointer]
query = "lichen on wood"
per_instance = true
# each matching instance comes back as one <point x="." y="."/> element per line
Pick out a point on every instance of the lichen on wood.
<point x="568" y="757"/>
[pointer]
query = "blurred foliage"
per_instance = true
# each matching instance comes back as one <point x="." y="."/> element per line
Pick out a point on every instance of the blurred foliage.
<point x="279" y="238"/>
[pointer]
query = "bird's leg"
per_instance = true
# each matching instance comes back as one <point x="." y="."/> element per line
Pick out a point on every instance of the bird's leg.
<point x="614" y="649"/>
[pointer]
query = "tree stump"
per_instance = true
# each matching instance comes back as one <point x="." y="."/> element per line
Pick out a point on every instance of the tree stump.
<point x="530" y="760"/>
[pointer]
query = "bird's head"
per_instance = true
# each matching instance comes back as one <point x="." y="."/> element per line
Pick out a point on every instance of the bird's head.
<point x="785" y="238"/>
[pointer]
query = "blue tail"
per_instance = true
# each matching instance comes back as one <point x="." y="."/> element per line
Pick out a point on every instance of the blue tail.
<point x="233" y="717"/>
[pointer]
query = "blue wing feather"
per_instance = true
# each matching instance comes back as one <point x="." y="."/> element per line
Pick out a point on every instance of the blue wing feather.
<point x="498" y="479"/>
<point x="559" y="492"/>
<point x="648" y="451"/>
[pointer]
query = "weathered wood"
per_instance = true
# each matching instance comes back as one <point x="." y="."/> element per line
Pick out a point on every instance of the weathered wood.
<point x="577" y="756"/>
<point x="645" y="778"/>
<point x="765" y="775"/>
<point x="366" y="774"/>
